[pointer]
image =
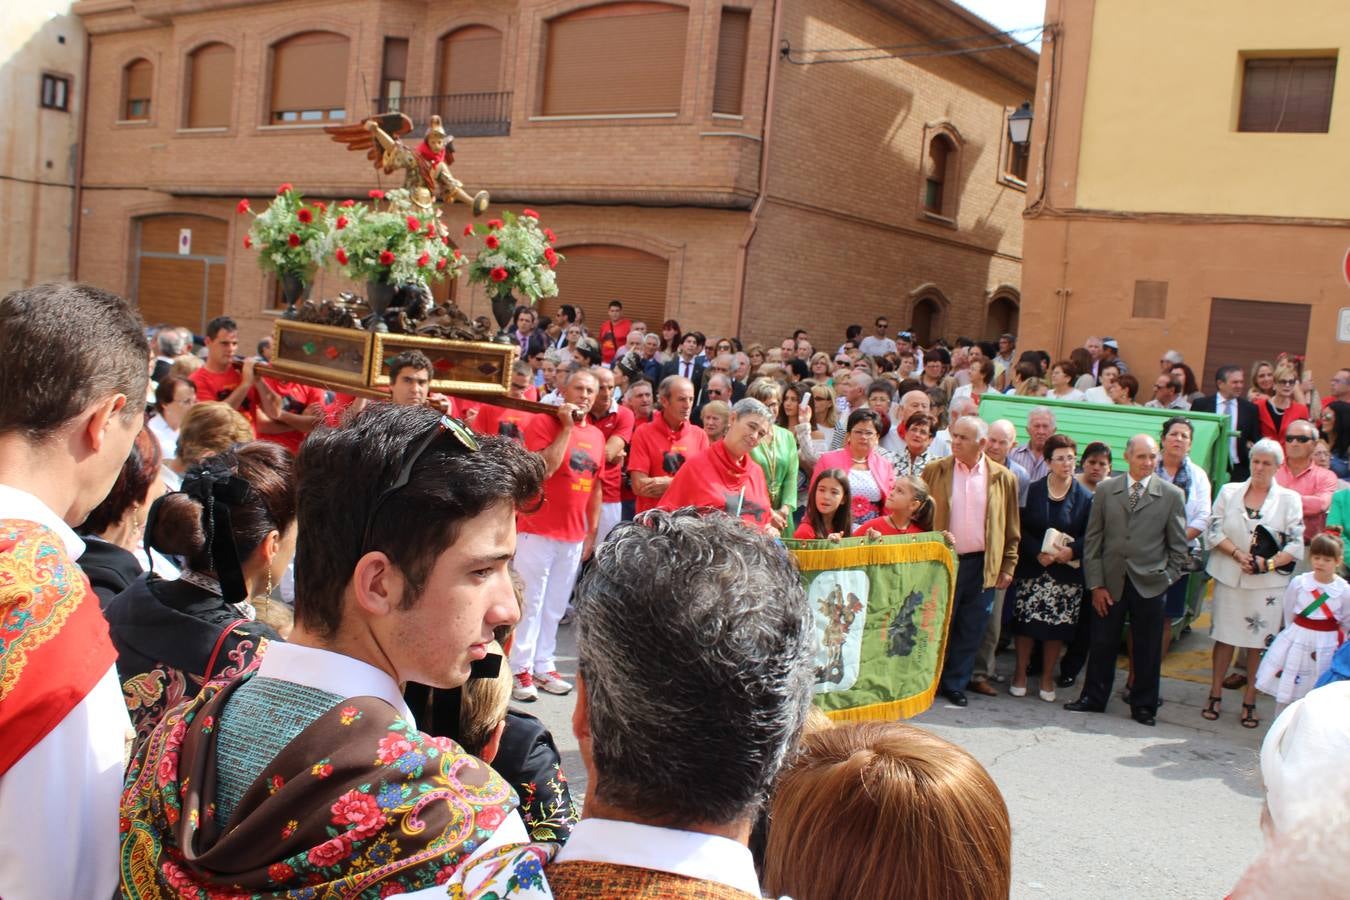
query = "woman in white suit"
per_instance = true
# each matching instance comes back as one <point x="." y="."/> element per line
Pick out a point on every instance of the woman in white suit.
<point x="1247" y="587"/>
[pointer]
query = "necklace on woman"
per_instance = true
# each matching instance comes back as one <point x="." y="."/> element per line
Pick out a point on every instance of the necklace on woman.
<point x="1062" y="494"/>
<point x="856" y="461"/>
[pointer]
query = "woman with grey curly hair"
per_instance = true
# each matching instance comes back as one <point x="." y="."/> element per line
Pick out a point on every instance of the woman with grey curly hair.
<point x="724" y="476"/>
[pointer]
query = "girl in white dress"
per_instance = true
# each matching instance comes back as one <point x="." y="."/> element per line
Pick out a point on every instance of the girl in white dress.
<point x="1317" y="613"/>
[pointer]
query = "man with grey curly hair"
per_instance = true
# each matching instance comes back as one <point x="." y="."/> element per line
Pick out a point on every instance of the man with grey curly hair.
<point x="697" y="648"/>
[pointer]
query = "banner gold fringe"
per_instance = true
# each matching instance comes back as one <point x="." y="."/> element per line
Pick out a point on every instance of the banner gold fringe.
<point x="814" y="556"/>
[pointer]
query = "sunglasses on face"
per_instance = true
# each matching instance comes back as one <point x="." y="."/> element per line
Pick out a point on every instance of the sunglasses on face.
<point x="464" y="441"/>
<point x="1297" y="439"/>
<point x="1287" y="381"/>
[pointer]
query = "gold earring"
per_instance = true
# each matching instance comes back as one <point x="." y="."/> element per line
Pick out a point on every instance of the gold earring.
<point x="269" y="584"/>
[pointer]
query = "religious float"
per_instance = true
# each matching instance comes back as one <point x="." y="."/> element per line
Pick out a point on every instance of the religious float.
<point x="396" y="244"/>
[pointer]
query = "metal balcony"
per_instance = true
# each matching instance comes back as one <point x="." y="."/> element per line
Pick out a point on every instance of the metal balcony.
<point x="463" y="115"/>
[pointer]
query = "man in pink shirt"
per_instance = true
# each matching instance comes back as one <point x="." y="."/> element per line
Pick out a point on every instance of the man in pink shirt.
<point x="1313" y="483"/>
<point x="975" y="499"/>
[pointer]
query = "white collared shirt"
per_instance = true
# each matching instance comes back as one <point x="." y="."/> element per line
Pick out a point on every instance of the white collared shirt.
<point x="692" y="854"/>
<point x="1231" y="408"/>
<point x="333" y="673"/>
<point x="58" y="803"/>
<point x="1130" y="483"/>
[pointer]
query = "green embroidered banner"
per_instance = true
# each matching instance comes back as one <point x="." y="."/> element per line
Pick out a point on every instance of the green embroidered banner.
<point x="882" y="612"/>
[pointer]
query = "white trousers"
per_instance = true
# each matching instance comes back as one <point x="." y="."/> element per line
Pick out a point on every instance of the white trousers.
<point x="610" y="515"/>
<point x="549" y="569"/>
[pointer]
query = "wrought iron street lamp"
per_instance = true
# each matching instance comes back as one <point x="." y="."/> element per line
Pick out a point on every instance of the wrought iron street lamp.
<point x="1019" y="124"/>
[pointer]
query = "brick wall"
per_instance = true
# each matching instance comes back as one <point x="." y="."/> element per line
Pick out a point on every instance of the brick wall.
<point x="842" y="238"/>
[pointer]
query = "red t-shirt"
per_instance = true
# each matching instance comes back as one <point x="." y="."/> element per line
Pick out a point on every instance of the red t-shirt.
<point x="883" y="525"/>
<point x="294" y="397"/>
<point x="337" y="410"/>
<point x="618" y="423"/>
<point x="613" y="335"/>
<point x="219" y="385"/>
<point x="567" y="492"/>
<point x="658" y="451"/>
<point x="500" y="420"/>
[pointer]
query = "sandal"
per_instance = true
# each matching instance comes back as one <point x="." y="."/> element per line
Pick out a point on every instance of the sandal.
<point x="1211" y="710"/>
<point x="1249" y="719"/>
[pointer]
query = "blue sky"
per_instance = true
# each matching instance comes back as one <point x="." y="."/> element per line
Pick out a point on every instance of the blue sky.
<point x="1009" y="14"/>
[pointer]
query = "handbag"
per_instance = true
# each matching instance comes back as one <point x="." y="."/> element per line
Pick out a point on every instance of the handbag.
<point x="1266" y="543"/>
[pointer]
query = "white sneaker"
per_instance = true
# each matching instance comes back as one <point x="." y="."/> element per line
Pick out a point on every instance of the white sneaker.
<point x="553" y="683"/>
<point x="523" y="689"/>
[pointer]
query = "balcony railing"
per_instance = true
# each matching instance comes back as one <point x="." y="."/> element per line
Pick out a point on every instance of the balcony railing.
<point x="463" y="115"/>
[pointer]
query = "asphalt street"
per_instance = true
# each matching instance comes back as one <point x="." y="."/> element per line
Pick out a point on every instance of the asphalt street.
<point x="1101" y="807"/>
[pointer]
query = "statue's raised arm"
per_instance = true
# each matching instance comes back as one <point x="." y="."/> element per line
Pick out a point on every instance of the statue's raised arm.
<point x="426" y="166"/>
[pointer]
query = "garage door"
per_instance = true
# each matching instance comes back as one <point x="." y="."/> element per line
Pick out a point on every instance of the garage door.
<point x="178" y="288"/>
<point x="1243" y="331"/>
<point x="594" y="274"/>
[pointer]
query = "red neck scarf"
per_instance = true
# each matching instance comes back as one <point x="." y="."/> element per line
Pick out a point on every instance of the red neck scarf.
<point x="424" y="150"/>
<point x="713" y="479"/>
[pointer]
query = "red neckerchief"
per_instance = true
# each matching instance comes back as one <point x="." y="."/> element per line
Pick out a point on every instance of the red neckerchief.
<point x="435" y="158"/>
<point x="731" y="473"/>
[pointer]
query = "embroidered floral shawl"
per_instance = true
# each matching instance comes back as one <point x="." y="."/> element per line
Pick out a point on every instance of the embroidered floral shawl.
<point x="360" y="804"/>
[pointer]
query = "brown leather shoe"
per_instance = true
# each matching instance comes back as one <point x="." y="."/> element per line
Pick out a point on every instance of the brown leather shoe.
<point x="982" y="687"/>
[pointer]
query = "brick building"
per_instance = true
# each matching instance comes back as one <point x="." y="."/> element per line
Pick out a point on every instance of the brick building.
<point x="687" y="165"/>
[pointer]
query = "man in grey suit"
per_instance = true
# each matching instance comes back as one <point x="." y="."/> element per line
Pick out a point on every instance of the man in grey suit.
<point x="1134" y="549"/>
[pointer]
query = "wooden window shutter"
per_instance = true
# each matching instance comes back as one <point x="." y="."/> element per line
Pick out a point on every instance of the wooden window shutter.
<point x="471" y="61"/>
<point x="731" y="43"/>
<point x="309" y="71"/>
<point x="1150" y="300"/>
<point x="211" y="86"/>
<point x="395" y="67"/>
<point x="622" y="58"/>
<point x="594" y="274"/>
<point x="139" y="76"/>
<point x="1287" y="95"/>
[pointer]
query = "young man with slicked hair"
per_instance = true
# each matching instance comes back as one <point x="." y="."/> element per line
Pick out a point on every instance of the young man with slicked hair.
<point x="309" y="773"/>
<point x="73" y="374"/>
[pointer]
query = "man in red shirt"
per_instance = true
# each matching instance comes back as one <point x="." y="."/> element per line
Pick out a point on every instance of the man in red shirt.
<point x="492" y="419"/>
<point x="287" y="412"/>
<point x="616" y="424"/>
<point x="613" y="332"/>
<point x="662" y="445"/>
<point x="556" y="537"/>
<point x="219" y="379"/>
<point x="410" y="383"/>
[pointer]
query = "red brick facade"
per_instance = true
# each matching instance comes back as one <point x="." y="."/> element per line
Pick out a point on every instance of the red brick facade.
<point x="839" y="236"/>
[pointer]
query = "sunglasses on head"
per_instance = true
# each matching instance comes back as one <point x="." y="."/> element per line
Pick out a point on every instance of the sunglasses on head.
<point x="464" y="440"/>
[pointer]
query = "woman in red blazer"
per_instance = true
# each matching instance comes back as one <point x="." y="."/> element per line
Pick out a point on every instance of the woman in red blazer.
<point x="1276" y="412"/>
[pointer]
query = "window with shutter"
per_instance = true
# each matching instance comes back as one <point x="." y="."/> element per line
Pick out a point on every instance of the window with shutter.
<point x="210" y="86"/>
<point x="616" y="59"/>
<point x="731" y="44"/>
<point x="309" y="78"/>
<point x="471" y="61"/>
<point x="136" y="84"/>
<point x="55" y="93"/>
<point x="939" y="152"/>
<point x="594" y="274"/>
<point x="394" y="72"/>
<point x="1287" y="95"/>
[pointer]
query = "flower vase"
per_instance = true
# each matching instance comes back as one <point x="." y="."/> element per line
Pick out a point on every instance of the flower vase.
<point x="295" y="287"/>
<point x="503" y="308"/>
<point x="379" y="294"/>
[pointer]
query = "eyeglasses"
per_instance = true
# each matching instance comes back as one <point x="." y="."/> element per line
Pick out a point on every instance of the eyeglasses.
<point x="1297" y="439"/>
<point x="445" y="425"/>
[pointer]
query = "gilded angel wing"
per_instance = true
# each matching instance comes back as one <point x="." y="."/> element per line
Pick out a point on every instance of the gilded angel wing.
<point x="356" y="137"/>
